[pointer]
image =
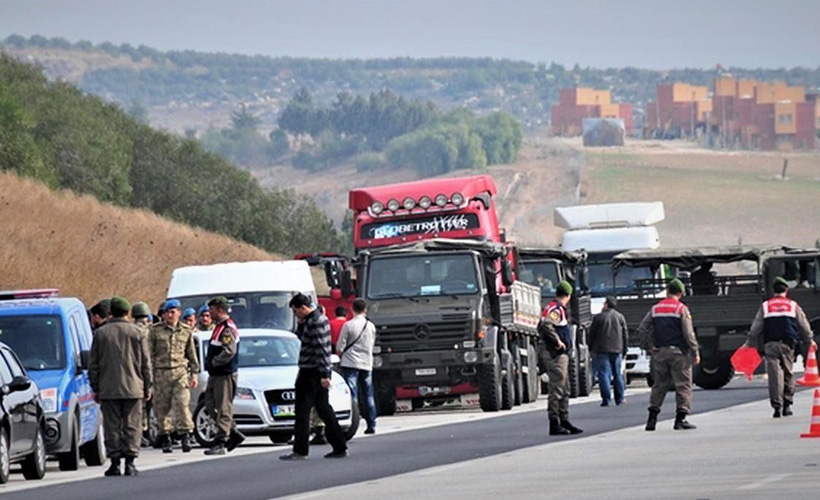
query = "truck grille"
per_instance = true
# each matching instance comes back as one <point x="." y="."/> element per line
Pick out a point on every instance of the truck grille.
<point x="425" y="336"/>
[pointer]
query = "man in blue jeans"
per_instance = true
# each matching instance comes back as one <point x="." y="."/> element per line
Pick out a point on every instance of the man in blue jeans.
<point x="608" y="340"/>
<point x="355" y="348"/>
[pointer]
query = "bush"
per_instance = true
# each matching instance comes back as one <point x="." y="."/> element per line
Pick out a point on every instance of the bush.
<point x="367" y="162"/>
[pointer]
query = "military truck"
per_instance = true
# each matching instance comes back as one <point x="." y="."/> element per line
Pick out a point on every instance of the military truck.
<point x="723" y="301"/>
<point x="545" y="268"/>
<point x="451" y="320"/>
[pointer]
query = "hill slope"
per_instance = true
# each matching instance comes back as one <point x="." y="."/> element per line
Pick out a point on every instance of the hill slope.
<point x="91" y="250"/>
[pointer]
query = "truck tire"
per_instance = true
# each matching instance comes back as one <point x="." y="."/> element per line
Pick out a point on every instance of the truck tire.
<point x="385" y="400"/>
<point x="573" y="376"/>
<point x="518" y="375"/>
<point x="489" y="385"/>
<point x="713" y="375"/>
<point x="508" y="384"/>
<point x="531" y="379"/>
<point x="584" y="373"/>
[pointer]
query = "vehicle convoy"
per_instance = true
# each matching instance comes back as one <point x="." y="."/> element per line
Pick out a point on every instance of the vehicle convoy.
<point x="604" y="231"/>
<point x="451" y="320"/>
<point x="52" y="337"/>
<point x="22" y="421"/>
<point x="723" y="302"/>
<point x="259" y="294"/>
<point x="545" y="268"/>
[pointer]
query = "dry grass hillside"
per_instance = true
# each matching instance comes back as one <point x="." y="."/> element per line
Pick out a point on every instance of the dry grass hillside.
<point x="91" y="250"/>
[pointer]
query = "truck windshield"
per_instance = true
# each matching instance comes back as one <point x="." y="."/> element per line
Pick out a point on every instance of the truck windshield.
<point x="268" y="351"/>
<point x="37" y="339"/>
<point x="600" y="279"/>
<point x="544" y="275"/>
<point x="252" y="309"/>
<point x="428" y="275"/>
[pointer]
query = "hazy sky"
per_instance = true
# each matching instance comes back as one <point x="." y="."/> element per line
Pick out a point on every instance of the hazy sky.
<point x="601" y="33"/>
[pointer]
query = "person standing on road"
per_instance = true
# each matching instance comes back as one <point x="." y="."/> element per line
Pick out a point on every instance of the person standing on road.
<point x="668" y="335"/>
<point x="555" y="333"/>
<point x="204" y="323"/>
<point x="336" y="325"/>
<point x="313" y="380"/>
<point x="781" y="322"/>
<point x="100" y="314"/>
<point x="608" y="340"/>
<point x="119" y="371"/>
<point x="141" y="314"/>
<point x="189" y="317"/>
<point x="222" y="363"/>
<point x="356" y="341"/>
<point x="175" y="367"/>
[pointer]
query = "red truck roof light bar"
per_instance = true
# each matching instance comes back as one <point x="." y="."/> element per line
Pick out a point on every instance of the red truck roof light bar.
<point x="409" y="205"/>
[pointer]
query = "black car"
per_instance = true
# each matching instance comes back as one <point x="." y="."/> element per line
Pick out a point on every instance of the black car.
<point x="21" y="419"/>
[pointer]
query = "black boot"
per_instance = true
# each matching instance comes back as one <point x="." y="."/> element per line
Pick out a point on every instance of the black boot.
<point x="571" y="428"/>
<point x="652" y="421"/>
<point x="787" y="411"/>
<point x="167" y="445"/>
<point x="234" y="440"/>
<point x="556" y="429"/>
<point x="681" y="424"/>
<point x="776" y="413"/>
<point x="130" y="468"/>
<point x="114" y="468"/>
<point x="319" y="436"/>
<point x="216" y="449"/>
<point x="186" y="443"/>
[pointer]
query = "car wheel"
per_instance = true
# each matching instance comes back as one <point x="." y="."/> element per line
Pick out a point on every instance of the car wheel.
<point x="94" y="451"/>
<point x="5" y="463"/>
<point x="70" y="460"/>
<point x="34" y="467"/>
<point x="204" y="426"/>
<point x="355" y="419"/>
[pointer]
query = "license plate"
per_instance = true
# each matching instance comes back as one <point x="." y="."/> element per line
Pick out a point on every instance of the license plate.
<point x="284" y="410"/>
<point x="420" y="372"/>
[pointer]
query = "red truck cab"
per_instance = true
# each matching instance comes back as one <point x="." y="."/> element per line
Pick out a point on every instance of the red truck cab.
<point x="457" y="208"/>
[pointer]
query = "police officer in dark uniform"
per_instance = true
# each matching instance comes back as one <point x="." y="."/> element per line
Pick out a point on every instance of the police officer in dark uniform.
<point x="222" y="363"/>
<point x="555" y="333"/>
<point x="782" y="323"/>
<point x="668" y="334"/>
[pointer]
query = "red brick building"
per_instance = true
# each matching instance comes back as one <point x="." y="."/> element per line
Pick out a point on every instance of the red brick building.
<point x="679" y="110"/>
<point x="578" y="103"/>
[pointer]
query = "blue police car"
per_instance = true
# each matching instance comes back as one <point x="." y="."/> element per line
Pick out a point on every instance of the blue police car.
<point x="52" y="337"/>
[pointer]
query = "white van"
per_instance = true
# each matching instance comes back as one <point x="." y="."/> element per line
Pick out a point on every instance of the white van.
<point x="258" y="292"/>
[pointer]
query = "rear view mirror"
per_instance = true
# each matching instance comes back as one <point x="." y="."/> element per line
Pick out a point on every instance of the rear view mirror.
<point x="347" y="283"/>
<point x="19" y="383"/>
<point x="506" y="273"/>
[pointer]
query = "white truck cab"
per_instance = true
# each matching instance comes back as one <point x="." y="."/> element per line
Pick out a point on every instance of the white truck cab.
<point x="604" y="231"/>
<point x="259" y="292"/>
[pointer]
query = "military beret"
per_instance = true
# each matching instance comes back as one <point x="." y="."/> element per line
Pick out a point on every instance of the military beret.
<point x="780" y="281"/>
<point x="172" y="304"/>
<point x="188" y="312"/>
<point x="140" y="310"/>
<point x="564" y="288"/>
<point x="218" y="301"/>
<point x="675" y="286"/>
<point x="120" y="305"/>
<point x="202" y="309"/>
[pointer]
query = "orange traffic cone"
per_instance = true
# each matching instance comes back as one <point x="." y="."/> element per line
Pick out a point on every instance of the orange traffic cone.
<point x="814" y="427"/>
<point x="810" y="377"/>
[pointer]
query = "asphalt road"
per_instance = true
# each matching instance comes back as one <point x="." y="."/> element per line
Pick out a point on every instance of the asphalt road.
<point x="263" y="476"/>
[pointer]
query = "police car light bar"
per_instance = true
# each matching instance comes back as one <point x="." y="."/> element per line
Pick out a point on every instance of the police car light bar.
<point x="39" y="293"/>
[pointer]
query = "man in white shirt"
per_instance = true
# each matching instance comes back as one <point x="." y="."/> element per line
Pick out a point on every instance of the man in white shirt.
<point x="355" y="349"/>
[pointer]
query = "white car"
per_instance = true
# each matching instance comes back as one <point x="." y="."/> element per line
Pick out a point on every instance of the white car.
<point x="265" y="395"/>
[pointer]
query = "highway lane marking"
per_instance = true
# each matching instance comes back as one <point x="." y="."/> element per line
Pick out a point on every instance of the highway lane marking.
<point x="764" y="482"/>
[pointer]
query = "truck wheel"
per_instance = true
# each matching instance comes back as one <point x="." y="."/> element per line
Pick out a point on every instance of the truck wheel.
<point x="70" y="460"/>
<point x="584" y="374"/>
<point x="518" y="376"/>
<point x="713" y="374"/>
<point x="573" y="376"/>
<point x="94" y="451"/>
<point x="531" y="380"/>
<point x="385" y="400"/>
<point x="489" y="385"/>
<point x="508" y="384"/>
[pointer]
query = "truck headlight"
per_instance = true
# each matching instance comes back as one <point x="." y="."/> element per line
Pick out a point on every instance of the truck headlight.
<point x="244" y="394"/>
<point x="377" y="207"/>
<point x="377" y="361"/>
<point x="425" y="202"/>
<point x="471" y="356"/>
<point x="393" y="205"/>
<point x="409" y="203"/>
<point x="49" y="397"/>
<point x="457" y="199"/>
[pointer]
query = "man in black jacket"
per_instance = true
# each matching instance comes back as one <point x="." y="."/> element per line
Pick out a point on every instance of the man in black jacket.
<point x="313" y="380"/>
<point x="608" y="340"/>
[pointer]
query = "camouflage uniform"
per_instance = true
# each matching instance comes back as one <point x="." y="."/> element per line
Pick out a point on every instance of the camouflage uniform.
<point x="174" y="357"/>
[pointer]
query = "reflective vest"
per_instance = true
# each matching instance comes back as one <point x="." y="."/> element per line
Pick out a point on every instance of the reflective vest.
<point x="780" y="320"/>
<point x="666" y="316"/>
<point x="558" y="317"/>
<point x="215" y="347"/>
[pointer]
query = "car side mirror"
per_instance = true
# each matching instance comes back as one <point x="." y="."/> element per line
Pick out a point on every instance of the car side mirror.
<point x="346" y="283"/>
<point x="18" y="383"/>
<point x="85" y="358"/>
<point x="506" y="273"/>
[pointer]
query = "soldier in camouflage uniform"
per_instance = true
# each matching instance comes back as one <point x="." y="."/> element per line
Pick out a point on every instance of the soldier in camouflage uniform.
<point x="141" y="313"/>
<point x="205" y="323"/>
<point x="175" y="367"/>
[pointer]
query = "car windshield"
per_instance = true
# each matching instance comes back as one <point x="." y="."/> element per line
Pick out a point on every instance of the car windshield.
<point x="544" y="275"/>
<point x="600" y="278"/>
<point x="268" y="351"/>
<point x="253" y="309"/>
<point x="37" y="340"/>
<point x="428" y="275"/>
